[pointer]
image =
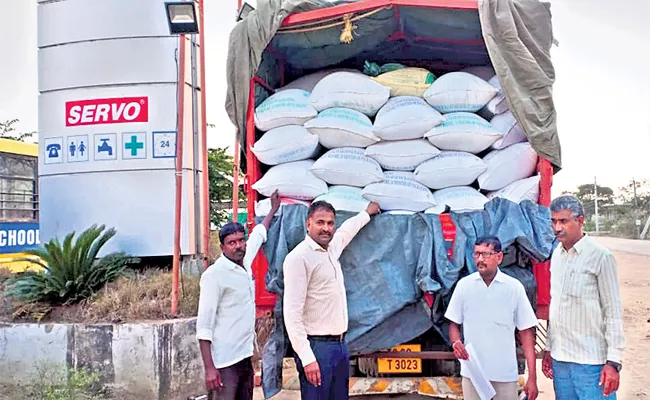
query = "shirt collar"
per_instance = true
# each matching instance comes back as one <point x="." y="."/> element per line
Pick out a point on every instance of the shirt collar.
<point x="499" y="277"/>
<point x="313" y="245"/>
<point x="579" y="246"/>
<point x="228" y="263"/>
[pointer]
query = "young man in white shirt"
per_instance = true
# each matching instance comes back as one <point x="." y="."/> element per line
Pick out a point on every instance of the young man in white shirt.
<point x="225" y="326"/>
<point x="315" y="305"/>
<point x="490" y="305"/>
<point x="585" y="338"/>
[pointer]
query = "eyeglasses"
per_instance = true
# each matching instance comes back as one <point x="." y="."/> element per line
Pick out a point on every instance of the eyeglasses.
<point x="485" y="254"/>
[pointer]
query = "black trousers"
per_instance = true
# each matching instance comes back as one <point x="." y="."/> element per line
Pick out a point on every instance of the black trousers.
<point x="238" y="382"/>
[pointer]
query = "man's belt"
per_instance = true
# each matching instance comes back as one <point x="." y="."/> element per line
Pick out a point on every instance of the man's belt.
<point x="328" y="338"/>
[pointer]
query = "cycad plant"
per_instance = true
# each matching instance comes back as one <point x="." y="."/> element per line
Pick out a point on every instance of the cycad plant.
<point x="72" y="271"/>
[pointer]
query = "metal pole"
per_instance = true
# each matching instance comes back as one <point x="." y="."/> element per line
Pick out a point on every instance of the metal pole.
<point x="196" y="143"/>
<point x="179" y="174"/>
<point x="596" y="204"/>
<point x="204" y="139"/>
<point x="235" y="172"/>
<point x="637" y="223"/>
<point x="645" y="228"/>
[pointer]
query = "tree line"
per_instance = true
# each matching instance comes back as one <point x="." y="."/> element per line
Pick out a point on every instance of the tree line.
<point x="617" y="208"/>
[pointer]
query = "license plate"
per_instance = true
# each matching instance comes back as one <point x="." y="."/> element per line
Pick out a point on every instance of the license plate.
<point x="401" y="365"/>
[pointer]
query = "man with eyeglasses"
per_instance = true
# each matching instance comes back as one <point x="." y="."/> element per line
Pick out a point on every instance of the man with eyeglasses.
<point x="490" y="305"/>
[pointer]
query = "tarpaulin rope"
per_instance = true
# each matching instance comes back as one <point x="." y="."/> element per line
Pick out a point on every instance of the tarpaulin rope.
<point x="347" y="22"/>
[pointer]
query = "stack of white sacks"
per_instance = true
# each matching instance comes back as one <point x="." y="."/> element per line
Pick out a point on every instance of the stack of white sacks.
<point x="409" y="153"/>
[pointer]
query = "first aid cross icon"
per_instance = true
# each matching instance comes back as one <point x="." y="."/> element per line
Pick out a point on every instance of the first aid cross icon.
<point x="134" y="145"/>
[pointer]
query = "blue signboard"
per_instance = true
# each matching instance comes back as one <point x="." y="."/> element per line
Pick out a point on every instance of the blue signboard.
<point x="16" y="237"/>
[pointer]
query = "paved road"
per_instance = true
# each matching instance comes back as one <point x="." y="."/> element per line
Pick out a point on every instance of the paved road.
<point x="638" y="247"/>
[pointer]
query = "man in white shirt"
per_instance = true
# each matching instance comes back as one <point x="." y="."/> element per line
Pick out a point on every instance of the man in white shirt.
<point x="490" y="305"/>
<point x="315" y="304"/>
<point x="225" y="326"/>
<point x="585" y="338"/>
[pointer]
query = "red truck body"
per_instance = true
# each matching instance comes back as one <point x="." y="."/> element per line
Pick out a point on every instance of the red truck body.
<point x="265" y="301"/>
<point x="440" y="386"/>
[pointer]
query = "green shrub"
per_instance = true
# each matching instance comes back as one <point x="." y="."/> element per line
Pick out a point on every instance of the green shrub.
<point x="72" y="270"/>
<point x="51" y="383"/>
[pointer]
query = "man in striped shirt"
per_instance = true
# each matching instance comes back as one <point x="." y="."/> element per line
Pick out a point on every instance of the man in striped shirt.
<point x="585" y="336"/>
<point x="315" y="304"/>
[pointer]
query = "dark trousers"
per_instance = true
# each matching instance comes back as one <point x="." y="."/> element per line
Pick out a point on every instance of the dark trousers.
<point x="238" y="382"/>
<point x="334" y="362"/>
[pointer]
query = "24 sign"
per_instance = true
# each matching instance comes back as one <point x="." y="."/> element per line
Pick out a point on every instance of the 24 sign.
<point x="118" y="110"/>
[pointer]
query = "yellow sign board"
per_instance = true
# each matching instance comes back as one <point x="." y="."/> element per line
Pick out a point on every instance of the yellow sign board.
<point x="401" y="365"/>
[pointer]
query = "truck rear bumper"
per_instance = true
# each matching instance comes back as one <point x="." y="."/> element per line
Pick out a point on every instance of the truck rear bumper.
<point x="441" y="387"/>
<point x="437" y="387"/>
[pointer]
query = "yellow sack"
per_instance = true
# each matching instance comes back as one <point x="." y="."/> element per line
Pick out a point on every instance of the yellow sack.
<point x="406" y="81"/>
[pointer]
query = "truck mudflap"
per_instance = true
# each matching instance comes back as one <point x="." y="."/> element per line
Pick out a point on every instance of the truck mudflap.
<point x="440" y="387"/>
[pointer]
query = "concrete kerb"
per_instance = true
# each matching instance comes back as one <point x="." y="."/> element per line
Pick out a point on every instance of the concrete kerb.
<point x="152" y="360"/>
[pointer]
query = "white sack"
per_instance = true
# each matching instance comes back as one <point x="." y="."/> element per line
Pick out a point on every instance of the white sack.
<point x="507" y="124"/>
<point x="342" y="127"/>
<point x="484" y="72"/>
<point x="347" y="166"/>
<point x="499" y="104"/>
<point x="288" y="107"/>
<point x="450" y="168"/>
<point x="308" y="82"/>
<point x="463" y="131"/>
<point x="459" y="199"/>
<point x="402" y="155"/>
<point x="286" y="144"/>
<point x="508" y="165"/>
<point x="518" y="191"/>
<point x="405" y="117"/>
<point x="459" y="91"/>
<point x="344" y="198"/>
<point x="291" y="180"/>
<point x="263" y="207"/>
<point x="349" y="90"/>
<point x="399" y="191"/>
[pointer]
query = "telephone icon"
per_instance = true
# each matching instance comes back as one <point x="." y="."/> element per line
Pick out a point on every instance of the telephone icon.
<point x="53" y="150"/>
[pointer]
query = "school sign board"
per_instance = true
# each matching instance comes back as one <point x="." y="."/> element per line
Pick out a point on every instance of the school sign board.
<point x="16" y="237"/>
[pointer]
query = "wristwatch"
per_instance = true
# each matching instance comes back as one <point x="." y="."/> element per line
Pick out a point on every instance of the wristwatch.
<point x="615" y="365"/>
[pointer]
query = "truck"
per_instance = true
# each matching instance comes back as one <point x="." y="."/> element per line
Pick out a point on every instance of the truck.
<point x="284" y="40"/>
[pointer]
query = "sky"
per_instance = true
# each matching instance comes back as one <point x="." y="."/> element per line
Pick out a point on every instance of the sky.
<point x="602" y="88"/>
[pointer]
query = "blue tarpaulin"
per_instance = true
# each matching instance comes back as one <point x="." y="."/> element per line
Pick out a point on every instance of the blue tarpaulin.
<point x="393" y="261"/>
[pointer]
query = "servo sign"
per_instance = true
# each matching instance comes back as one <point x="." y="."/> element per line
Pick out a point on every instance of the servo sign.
<point x="107" y="111"/>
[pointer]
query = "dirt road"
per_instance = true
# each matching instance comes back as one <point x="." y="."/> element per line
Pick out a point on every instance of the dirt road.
<point x="633" y="259"/>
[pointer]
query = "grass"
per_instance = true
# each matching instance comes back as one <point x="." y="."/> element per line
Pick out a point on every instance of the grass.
<point x="6" y="305"/>
<point x="144" y="296"/>
<point x="138" y="296"/>
<point x="215" y="246"/>
<point x="53" y="381"/>
<point x="263" y="328"/>
<point x="5" y="273"/>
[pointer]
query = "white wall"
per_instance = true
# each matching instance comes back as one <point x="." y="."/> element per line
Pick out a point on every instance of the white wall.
<point x="107" y="49"/>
